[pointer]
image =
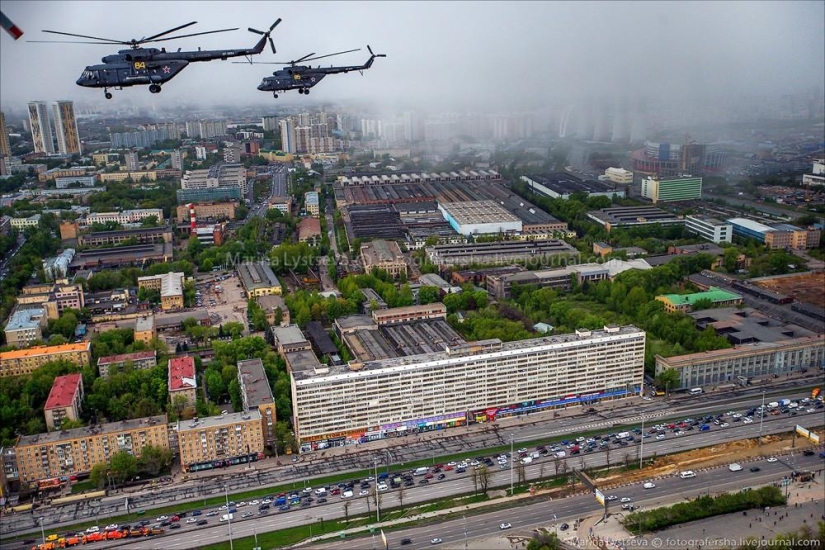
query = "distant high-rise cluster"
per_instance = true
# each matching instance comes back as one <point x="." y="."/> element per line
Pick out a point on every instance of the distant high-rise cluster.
<point x="308" y="133"/>
<point x="65" y="128"/>
<point x="145" y="137"/>
<point x="600" y="119"/>
<point x="205" y="129"/>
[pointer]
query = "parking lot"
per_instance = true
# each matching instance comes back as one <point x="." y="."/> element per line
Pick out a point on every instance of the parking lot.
<point x="224" y="299"/>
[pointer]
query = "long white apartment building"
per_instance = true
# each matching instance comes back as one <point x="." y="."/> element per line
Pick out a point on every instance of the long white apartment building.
<point x="126" y="216"/>
<point x="473" y="382"/>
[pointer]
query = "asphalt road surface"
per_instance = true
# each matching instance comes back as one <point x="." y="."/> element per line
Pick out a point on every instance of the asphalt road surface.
<point x="454" y="483"/>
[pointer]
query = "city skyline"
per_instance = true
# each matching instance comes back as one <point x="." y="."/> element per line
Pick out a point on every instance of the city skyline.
<point x="522" y="55"/>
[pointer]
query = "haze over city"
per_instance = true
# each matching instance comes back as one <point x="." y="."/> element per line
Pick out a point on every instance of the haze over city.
<point x="440" y="55"/>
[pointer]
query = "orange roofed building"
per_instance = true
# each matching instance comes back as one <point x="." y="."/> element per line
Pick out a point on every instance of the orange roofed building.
<point x="182" y="379"/>
<point x="24" y="361"/>
<point x="64" y="400"/>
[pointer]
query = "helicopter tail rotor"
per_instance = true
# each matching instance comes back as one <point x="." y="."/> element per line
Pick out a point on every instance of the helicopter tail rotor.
<point x="267" y="33"/>
<point x="375" y="54"/>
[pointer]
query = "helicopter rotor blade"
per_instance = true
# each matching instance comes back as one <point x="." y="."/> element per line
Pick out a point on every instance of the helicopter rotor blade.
<point x="250" y="29"/>
<point x="109" y="40"/>
<point x="272" y="43"/>
<point x="308" y="56"/>
<point x="329" y="55"/>
<point x="370" y="49"/>
<point x="187" y="35"/>
<point x="149" y="38"/>
<point x="72" y="42"/>
<point x="275" y="24"/>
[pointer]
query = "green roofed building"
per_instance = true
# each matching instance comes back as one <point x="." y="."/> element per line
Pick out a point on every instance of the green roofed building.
<point x="685" y="302"/>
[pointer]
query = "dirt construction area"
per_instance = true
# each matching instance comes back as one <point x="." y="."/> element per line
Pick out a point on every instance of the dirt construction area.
<point x="805" y="287"/>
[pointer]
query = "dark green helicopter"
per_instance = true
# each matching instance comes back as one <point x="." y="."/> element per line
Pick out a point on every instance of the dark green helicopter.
<point x="139" y="66"/>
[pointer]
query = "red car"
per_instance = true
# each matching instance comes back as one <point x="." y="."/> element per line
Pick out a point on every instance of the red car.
<point x="429" y="476"/>
<point x="448" y="468"/>
<point x="174" y="518"/>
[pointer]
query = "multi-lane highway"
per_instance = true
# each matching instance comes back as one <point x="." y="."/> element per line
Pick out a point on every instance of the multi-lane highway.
<point x="667" y="490"/>
<point x="454" y="483"/>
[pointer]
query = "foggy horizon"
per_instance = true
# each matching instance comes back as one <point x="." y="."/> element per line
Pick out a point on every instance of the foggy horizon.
<point x="469" y="56"/>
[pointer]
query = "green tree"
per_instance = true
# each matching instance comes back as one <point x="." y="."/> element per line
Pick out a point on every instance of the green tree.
<point x="154" y="460"/>
<point x="124" y="466"/>
<point x="428" y="295"/>
<point x="98" y="475"/>
<point x="668" y="380"/>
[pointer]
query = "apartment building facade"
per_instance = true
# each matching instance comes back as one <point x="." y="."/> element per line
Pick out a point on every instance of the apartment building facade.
<point x="221" y="440"/>
<point x="64" y="401"/>
<point x="472" y="382"/>
<point x="62" y="453"/>
<point x="24" y="361"/>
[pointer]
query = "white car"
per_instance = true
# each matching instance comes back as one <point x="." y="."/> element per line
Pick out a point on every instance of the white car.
<point x="522" y="450"/>
<point x="687" y="474"/>
<point x="724" y="425"/>
<point x="161" y="518"/>
<point x="112" y="527"/>
<point x="241" y="503"/>
<point x="382" y="487"/>
<point x="660" y="436"/>
<point x="453" y="464"/>
<point x="254" y="503"/>
<point x="747" y="420"/>
<point x="735" y="467"/>
<point x="93" y="529"/>
<point x="504" y="526"/>
<point x="626" y="499"/>
<point x="267" y="501"/>
<point x="370" y="478"/>
<point x="475" y="463"/>
<point x="363" y="493"/>
<point x="191" y="520"/>
<point x="773" y="459"/>
<point x="307" y="490"/>
<point x="649" y="485"/>
<point x="612" y="497"/>
<point x="247" y="514"/>
<point x="436" y="541"/>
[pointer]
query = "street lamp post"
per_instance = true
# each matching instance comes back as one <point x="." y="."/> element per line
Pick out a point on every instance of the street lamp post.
<point x="465" y="532"/>
<point x="377" y="505"/>
<point x="512" y="461"/>
<point x="228" y="518"/>
<point x="761" y="417"/>
<point x="642" y="444"/>
<point x="42" y="532"/>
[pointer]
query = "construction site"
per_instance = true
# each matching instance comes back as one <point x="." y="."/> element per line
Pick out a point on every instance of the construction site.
<point x="803" y="287"/>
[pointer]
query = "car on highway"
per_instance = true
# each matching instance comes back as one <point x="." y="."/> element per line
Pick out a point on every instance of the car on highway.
<point x="196" y="512"/>
<point x="405" y="542"/>
<point x="363" y="492"/>
<point x="192" y="520"/>
<point x="93" y="529"/>
<point x="441" y="476"/>
<point x="284" y="508"/>
<point x="436" y="540"/>
<point x="755" y="469"/>
<point x="112" y="527"/>
<point x="735" y="467"/>
<point x="202" y="522"/>
<point x="504" y="526"/>
<point x="649" y="485"/>
<point x="627" y="507"/>
<point x="660" y="436"/>
<point x="808" y="452"/>
<point x="612" y="497"/>
<point x="212" y="513"/>
<point x="772" y="459"/>
<point x="626" y="499"/>
<point x="247" y="515"/>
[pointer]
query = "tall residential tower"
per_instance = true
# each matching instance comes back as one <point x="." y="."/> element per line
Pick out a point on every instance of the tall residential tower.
<point x="41" y="128"/>
<point x="65" y="127"/>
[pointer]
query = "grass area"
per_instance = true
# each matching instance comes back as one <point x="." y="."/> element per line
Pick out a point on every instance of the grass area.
<point x="83" y="486"/>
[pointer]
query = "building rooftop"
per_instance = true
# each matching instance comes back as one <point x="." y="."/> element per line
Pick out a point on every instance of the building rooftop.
<point x="352" y="322"/>
<point x="743" y="350"/>
<point x="257" y="275"/>
<point x="712" y="294"/>
<point x="320" y="338"/>
<point x="100" y="429"/>
<point x="567" y="184"/>
<point x="376" y="252"/>
<point x="182" y="374"/>
<point x="290" y="334"/>
<point x="750" y="224"/>
<point x="25" y="318"/>
<point x="124" y="357"/>
<point x="475" y="212"/>
<point x="271" y="302"/>
<point x="707" y="219"/>
<point x="255" y="383"/>
<point x="431" y="279"/>
<point x="220" y="420"/>
<point x="304" y="363"/>
<point x="747" y="325"/>
<point x="45" y="350"/>
<point x="63" y="391"/>
<point x="464" y="350"/>
<point x="308" y="228"/>
<point x="169" y="320"/>
<point x="618" y="215"/>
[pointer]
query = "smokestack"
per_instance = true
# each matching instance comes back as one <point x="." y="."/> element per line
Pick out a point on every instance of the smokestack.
<point x="193" y="224"/>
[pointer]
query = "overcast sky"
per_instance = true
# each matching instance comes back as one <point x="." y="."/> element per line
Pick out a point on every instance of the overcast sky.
<point x="506" y="55"/>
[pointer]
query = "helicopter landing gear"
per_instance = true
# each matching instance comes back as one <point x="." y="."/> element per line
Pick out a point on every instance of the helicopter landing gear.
<point x="154" y="88"/>
<point x="300" y="90"/>
<point x="107" y="94"/>
<point x="275" y="95"/>
<point x="306" y="91"/>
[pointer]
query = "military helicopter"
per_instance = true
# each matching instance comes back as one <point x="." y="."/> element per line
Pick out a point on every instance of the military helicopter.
<point x="304" y="77"/>
<point x="140" y="66"/>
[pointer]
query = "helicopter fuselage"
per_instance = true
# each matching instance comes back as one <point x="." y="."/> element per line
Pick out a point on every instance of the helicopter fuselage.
<point x="293" y="78"/>
<point x="141" y="66"/>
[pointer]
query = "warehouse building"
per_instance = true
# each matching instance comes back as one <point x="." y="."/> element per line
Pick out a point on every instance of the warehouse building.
<point x="479" y="217"/>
